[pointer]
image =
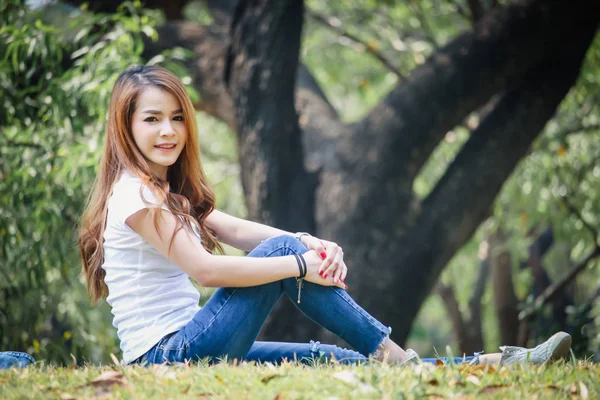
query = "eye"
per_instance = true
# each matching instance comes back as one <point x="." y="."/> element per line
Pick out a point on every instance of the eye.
<point x="178" y="118"/>
<point x="150" y="119"/>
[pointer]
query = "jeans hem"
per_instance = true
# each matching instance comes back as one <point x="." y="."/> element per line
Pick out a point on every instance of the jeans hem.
<point x="385" y="333"/>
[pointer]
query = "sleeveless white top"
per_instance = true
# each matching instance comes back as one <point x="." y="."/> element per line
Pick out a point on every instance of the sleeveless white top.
<point x="149" y="295"/>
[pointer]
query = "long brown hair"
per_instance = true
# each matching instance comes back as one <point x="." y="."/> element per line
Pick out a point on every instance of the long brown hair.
<point x="186" y="191"/>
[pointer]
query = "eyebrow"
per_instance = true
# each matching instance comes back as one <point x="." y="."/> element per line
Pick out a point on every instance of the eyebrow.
<point x="157" y="112"/>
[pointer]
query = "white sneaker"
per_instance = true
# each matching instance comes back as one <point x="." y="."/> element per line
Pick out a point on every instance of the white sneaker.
<point x="553" y="349"/>
<point x="412" y="358"/>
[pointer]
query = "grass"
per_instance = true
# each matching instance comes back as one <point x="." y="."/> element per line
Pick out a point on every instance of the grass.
<point x="577" y="379"/>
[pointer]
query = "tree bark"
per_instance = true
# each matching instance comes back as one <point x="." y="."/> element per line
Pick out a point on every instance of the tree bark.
<point x="505" y="300"/>
<point x="261" y="64"/>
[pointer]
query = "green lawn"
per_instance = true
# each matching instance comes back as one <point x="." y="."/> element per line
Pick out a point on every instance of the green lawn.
<point x="292" y="381"/>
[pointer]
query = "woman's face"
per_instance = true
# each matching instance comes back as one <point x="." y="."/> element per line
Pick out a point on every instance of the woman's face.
<point x="159" y="129"/>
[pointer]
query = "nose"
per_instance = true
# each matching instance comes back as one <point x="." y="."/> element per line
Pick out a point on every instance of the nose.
<point x="166" y="128"/>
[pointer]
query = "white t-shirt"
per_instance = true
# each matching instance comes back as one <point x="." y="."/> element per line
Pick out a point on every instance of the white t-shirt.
<point x="149" y="295"/>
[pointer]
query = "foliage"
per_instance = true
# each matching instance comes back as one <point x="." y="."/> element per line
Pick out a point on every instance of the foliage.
<point x="56" y="80"/>
<point x="292" y="381"/>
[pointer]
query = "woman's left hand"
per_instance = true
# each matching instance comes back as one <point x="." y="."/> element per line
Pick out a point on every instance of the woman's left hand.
<point x="333" y="266"/>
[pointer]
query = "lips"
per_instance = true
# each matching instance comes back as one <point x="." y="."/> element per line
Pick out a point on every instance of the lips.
<point x="166" y="146"/>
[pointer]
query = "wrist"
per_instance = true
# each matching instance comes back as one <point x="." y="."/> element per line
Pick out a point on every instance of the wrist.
<point x="300" y="235"/>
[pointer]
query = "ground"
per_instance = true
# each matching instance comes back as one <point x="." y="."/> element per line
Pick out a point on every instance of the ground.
<point x="572" y="379"/>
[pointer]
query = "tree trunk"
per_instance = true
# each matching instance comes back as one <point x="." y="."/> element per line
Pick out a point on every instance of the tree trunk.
<point x="505" y="300"/>
<point x="469" y="330"/>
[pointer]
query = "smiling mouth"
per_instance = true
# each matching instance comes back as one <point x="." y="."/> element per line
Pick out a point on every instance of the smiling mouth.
<point x="166" y="146"/>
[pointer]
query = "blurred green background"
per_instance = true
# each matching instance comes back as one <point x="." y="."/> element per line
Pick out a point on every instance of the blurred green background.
<point x="58" y="64"/>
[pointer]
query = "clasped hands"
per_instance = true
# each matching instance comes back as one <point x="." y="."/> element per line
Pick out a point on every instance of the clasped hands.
<point x="333" y="268"/>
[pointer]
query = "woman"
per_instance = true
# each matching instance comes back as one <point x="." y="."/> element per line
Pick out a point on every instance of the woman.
<point x="151" y="224"/>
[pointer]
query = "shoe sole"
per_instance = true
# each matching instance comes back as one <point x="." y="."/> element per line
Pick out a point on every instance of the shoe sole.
<point x="562" y="349"/>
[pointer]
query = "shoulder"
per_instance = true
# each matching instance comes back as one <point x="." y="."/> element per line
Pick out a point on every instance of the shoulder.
<point x="131" y="187"/>
<point x="130" y="195"/>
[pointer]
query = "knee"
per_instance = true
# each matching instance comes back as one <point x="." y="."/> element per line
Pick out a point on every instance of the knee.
<point x="286" y="241"/>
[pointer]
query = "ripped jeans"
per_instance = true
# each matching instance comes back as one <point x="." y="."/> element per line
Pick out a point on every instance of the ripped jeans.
<point x="228" y="324"/>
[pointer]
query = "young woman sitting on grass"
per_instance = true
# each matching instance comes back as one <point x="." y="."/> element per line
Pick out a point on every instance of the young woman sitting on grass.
<point x="151" y="224"/>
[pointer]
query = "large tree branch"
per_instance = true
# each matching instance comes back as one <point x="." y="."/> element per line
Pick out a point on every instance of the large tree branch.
<point x="462" y="198"/>
<point x="463" y="76"/>
<point x="481" y="167"/>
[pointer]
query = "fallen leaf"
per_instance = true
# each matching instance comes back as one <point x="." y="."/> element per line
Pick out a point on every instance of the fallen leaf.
<point x="433" y="382"/>
<point x="552" y="386"/>
<point x="187" y="389"/>
<point x="66" y="396"/>
<point x="474" y="380"/>
<point x="456" y="382"/>
<point x="481" y="368"/>
<point x="102" y="392"/>
<point x="492" y="388"/>
<point x="347" y="376"/>
<point x="217" y="377"/>
<point x="108" y="379"/>
<point x="584" y="390"/>
<point x="439" y="362"/>
<point x="267" y="379"/>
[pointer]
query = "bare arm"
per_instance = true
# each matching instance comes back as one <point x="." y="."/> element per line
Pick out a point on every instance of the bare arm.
<point x="218" y="271"/>
<point x="246" y="235"/>
<point x="207" y="269"/>
<point x="240" y="233"/>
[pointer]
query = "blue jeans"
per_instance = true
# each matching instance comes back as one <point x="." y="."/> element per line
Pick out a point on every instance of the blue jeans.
<point x="14" y="359"/>
<point x="228" y="324"/>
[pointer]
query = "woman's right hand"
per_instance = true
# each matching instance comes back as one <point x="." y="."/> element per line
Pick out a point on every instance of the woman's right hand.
<point x="313" y="263"/>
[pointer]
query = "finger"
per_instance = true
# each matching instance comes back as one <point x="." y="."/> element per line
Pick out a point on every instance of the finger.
<point x="320" y="248"/>
<point x="327" y="262"/>
<point x="326" y="268"/>
<point x="334" y="266"/>
<point x="337" y="274"/>
<point x="344" y="273"/>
